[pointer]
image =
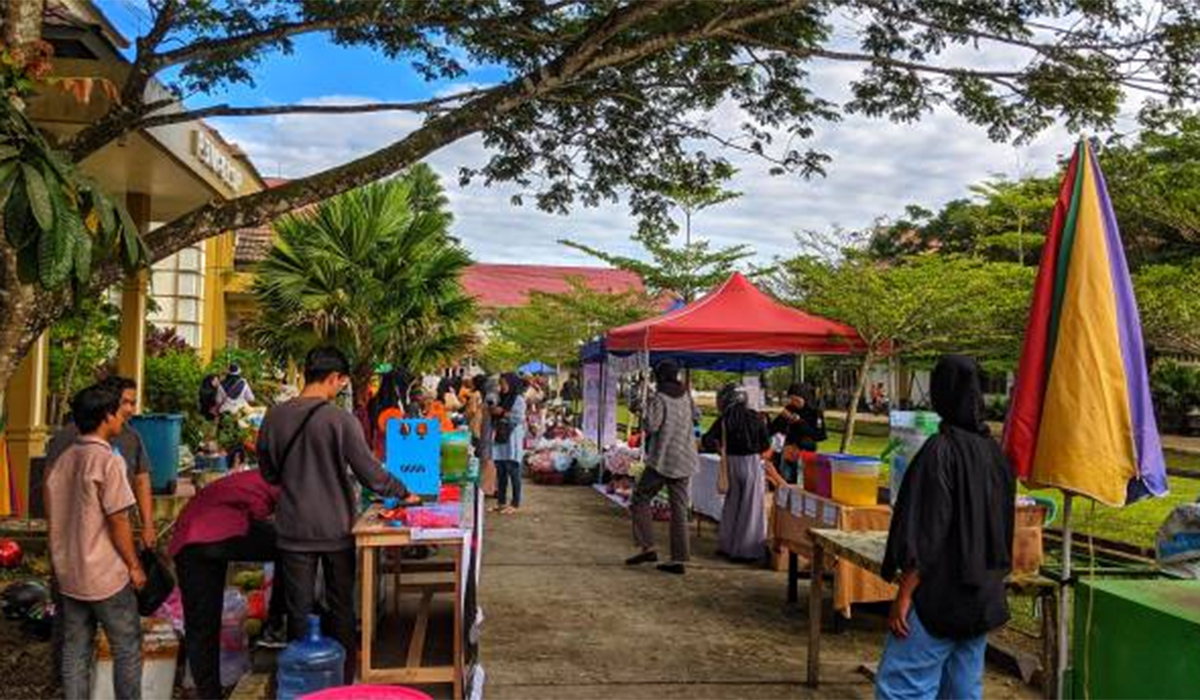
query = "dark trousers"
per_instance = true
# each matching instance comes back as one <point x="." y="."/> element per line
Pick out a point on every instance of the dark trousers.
<point x="201" y="569"/>
<point x="340" y="569"/>
<point x="508" y="470"/>
<point x="648" y="486"/>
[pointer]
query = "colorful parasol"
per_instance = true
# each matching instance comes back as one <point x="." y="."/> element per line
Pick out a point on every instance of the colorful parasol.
<point x="1081" y="418"/>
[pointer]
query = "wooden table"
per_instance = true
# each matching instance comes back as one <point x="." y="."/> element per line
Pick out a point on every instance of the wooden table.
<point x="371" y="535"/>
<point x="796" y="512"/>
<point x="865" y="549"/>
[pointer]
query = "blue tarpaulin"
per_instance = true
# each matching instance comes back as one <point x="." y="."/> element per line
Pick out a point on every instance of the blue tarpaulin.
<point x="536" y="367"/>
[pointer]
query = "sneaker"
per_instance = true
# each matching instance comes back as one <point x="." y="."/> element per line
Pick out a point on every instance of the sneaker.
<point x="672" y="568"/>
<point x="273" y="637"/>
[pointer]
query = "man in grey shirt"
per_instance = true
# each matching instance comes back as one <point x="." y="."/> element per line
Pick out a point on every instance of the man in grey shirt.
<point x="671" y="461"/>
<point x="305" y="446"/>
<point x="128" y="444"/>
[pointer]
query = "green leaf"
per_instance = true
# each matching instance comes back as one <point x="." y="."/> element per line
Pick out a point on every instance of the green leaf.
<point x="9" y="152"/>
<point x="108" y="218"/>
<point x="39" y="196"/>
<point x="19" y="227"/>
<point x="83" y="256"/>
<point x="8" y="178"/>
<point x="53" y="246"/>
<point x="130" y="238"/>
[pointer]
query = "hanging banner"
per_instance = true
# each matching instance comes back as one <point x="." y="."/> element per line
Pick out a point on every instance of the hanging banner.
<point x="599" y="404"/>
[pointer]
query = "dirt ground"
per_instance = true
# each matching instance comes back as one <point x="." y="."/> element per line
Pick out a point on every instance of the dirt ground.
<point x="566" y="619"/>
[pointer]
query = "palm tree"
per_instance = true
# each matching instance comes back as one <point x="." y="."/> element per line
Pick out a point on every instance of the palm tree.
<point x="374" y="271"/>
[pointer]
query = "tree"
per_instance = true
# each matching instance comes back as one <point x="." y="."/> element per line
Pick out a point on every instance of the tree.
<point x="598" y="95"/>
<point x="371" y="271"/>
<point x="1168" y="298"/>
<point x="553" y="327"/>
<point x="1154" y="182"/>
<point x="915" y="307"/>
<point x="1016" y="213"/>
<point x="693" y="268"/>
<point x="82" y="342"/>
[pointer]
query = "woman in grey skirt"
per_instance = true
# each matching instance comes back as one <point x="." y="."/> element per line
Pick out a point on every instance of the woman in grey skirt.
<point x="743" y="531"/>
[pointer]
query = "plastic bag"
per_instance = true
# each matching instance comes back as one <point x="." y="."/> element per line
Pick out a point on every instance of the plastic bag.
<point x="1177" y="546"/>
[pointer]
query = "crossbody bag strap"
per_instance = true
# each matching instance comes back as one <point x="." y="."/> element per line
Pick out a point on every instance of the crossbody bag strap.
<point x="287" y="450"/>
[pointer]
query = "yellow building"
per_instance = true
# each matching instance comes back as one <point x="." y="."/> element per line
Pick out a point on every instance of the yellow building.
<point x="161" y="173"/>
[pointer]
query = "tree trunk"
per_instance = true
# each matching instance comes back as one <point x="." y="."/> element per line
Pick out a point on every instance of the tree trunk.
<point x="22" y="21"/>
<point x="852" y="411"/>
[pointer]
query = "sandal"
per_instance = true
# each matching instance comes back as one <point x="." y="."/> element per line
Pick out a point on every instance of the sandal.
<point x="509" y="510"/>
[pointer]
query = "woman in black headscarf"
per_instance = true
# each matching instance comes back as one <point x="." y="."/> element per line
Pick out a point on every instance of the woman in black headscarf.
<point x="508" y="440"/>
<point x="950" y="542"/>
<point x="743" y="433"/>
<point x="803" y="427"/>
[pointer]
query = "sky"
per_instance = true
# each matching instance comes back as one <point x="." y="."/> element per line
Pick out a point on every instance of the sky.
<point x="878" y="167"/>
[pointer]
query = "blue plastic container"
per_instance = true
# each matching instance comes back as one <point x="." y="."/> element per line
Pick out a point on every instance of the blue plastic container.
<point x="162" y="434"/>
<point x="310" y="664"/>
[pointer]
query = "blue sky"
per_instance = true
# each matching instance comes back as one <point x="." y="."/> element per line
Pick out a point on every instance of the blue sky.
<point x="878" y="167"/>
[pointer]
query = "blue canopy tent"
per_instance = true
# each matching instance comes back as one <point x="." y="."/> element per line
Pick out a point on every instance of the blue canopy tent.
<point x="536" y="367"/>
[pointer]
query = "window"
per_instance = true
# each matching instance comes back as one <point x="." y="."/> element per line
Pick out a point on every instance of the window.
<point x="187" y="310"/>
<point x="189" y="284"/>
<point x="189" y="259"/>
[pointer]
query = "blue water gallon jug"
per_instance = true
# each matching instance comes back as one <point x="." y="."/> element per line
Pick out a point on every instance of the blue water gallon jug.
<point x="310" y="664"/>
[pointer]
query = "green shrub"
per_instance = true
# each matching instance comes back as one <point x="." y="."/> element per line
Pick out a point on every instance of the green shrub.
<point x="1176" y="392"/>
<point x="172" y="385"/>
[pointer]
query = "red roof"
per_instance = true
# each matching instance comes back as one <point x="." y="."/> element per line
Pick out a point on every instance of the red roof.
<point x="737" y="317"/>
<point x="504" y="286"/>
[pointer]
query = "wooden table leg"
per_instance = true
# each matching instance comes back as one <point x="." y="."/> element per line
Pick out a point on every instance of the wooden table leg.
<point x="458" y="621"/>
<point x="368" y="611"/>
<point x="815" y="604"/>
<point x="793" y="591"/>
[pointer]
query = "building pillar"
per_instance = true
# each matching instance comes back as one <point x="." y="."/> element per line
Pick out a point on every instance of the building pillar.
<point x="131" y="353"/>
<point x="218" y="260"/>
<point x="25" y="403"/>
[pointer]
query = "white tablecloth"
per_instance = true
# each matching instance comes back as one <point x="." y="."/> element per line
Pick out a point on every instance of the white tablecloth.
<point x="705" y="499"/>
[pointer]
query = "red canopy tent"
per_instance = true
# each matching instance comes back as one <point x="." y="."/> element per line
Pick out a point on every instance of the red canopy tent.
<point x="737" y="318"/>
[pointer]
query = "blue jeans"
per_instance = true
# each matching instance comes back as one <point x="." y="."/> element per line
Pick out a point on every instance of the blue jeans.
<point x="508" y="470"/>
<point x="924" y="666"/>
<point x="122" y="625"/>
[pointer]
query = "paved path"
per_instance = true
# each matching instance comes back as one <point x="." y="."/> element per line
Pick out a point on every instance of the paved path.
<point x="566" y="619"/>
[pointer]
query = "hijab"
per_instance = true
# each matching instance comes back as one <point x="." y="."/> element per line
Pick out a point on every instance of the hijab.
<point x="957" y="394"/>
<point x="666" y="379"/>
<point x="516" y="388"/>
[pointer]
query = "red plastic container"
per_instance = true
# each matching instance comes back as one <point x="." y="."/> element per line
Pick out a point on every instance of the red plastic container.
<point x="450" y="493"/>
<point x="818" y="474"/>
<point x="368" y="692"/>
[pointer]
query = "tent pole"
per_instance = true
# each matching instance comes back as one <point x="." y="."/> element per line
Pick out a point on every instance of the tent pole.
<point x="801" y="368"/>
<point x="1064" y="631"/>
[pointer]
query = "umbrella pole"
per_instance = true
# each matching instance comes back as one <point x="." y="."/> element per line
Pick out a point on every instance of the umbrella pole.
<point x="1064" y="627"/>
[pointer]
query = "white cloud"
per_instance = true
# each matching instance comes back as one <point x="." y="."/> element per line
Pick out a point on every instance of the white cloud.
<point x="878" y="167"/>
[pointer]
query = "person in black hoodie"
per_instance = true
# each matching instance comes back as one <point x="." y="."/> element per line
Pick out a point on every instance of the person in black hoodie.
<point x="950" y="545"/>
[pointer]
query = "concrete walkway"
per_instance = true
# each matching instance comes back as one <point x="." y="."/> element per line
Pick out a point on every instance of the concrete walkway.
<point x="566" y="619"/>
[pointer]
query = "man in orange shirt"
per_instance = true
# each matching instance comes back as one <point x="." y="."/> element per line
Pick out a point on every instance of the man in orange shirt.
<point x="88" y="499"/>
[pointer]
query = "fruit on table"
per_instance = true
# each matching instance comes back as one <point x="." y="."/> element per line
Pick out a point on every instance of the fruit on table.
<point x="10" y="553"/>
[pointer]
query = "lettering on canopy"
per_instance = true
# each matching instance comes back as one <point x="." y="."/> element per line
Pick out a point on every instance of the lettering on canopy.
<point x="214" y="157"/>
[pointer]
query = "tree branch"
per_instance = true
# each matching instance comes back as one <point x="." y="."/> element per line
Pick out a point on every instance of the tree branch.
<point x="424" y="106"/>
<point x="245" y="42"/>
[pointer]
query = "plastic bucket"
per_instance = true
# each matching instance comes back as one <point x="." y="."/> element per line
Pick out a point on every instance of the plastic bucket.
<point x="161" y="433"/>
<point x="367" y="692"/>
<point x="855" y="480"/>
<point x="817" y="473"/>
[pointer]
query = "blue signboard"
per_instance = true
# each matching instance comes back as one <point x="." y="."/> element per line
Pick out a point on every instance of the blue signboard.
<point x="413" y="454"/>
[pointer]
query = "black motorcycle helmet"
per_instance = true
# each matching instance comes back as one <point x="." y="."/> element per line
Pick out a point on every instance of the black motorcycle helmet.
<point x="19" y="598"/>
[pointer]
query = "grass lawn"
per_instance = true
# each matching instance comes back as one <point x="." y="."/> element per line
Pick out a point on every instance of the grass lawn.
<point x="1135" y="524"/>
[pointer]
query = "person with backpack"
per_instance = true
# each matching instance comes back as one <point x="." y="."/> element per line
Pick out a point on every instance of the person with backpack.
<point x="238" y="394"/>
<point x="305" y="446"/>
